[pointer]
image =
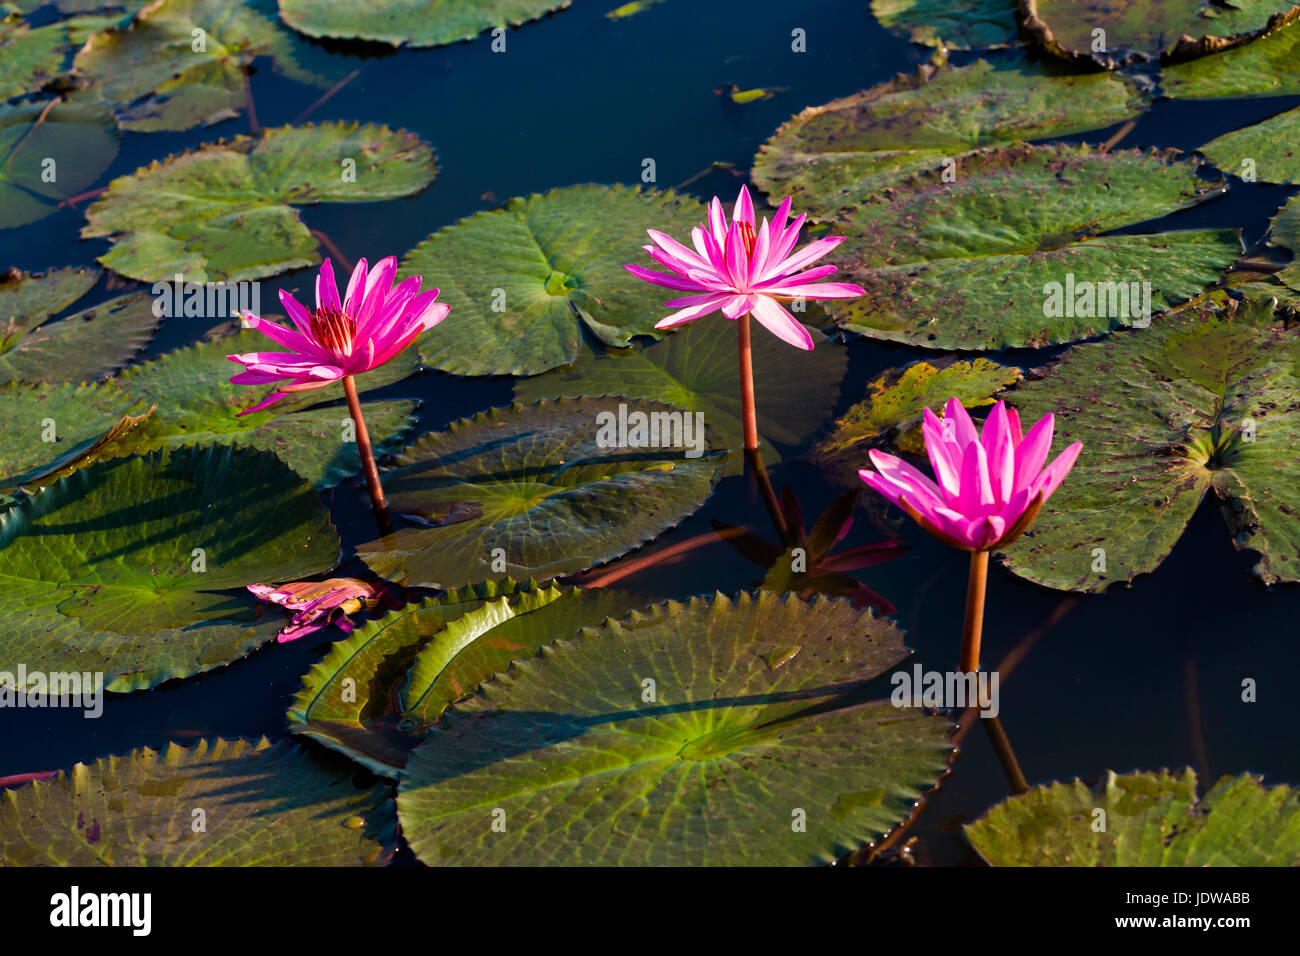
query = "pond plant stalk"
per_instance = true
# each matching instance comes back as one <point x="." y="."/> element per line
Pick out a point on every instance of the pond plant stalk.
<point x="367" y="452"/>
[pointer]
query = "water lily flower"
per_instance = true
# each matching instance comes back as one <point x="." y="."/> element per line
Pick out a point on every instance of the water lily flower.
<point x="743" y="268"/>
<point x="316" y="604"/>
<point x="373" y="323"/>
<point x="990" y="487"/>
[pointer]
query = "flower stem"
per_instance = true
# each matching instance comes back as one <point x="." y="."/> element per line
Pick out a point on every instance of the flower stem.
<point x="1006" y="756"/>
<point x="973" y="626"/>
<point x="748" y="414"/>
<point x="376" y="490"/>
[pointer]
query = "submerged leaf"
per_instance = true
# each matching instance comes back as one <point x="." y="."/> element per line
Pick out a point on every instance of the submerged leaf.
<point x="416" y="23"/>
<point x="953" y="24"/>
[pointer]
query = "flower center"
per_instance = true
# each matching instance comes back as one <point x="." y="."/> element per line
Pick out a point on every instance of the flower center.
<point x="748" y="237"/>
<point x="334" y="330"/>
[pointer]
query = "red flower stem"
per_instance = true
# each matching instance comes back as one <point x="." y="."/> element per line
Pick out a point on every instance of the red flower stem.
<point x="302" y="117"/>
<point x="748" y="413"/>
<point x="973" y="626"/>
<point x="663" y="556"/>
<point x="754" y="461"/>
<point x="376" y="490"/>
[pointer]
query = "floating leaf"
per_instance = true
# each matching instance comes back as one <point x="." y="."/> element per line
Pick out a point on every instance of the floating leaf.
<point x="120" y="567"/>
<point x="89" y="344"/>
<point x="197" y="404"/>
<point x="80" y="140"/>
<point x="348" y="701"/>
<point x="1264" y="152"/>
<point x="939" y="276"/>
<point x="153" y="77"/>
<point x="1269" y="66"/>
<point x="1114" y="32"/>
<point x="895" y="404"/>
<point x="43" y="424"/>
<point x="534" y="491"/>
<point x="631" y="9"/>
<point x="224" y="211"/>
<point x="688" y="734"/>
<point x="831" y="157"/>
<point x="112" y="444"/>
<point x="1284" y="231"/>
<point x="416" y="23"/>
<point x="1152" y="819"/>
<point x="30" y="57"/>
<point x="263" y="805"/>
<point x="953" y="24"/>
<point x="695" y="369"/>
<point x="1200" y="401"/>
<point x="554" y="263"/>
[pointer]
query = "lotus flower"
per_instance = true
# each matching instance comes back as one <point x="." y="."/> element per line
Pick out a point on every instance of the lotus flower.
<point x="317" y="604"/>
<point x="743" y="268"/>
<point x="991" y="485"/>
<point x="375" y="321"/>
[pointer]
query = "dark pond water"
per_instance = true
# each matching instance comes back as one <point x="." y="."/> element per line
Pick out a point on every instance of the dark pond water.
<point x="1119" y="681"/>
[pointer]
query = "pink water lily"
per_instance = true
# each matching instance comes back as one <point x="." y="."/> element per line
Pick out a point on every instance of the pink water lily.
<point x="743" y="268"/>
<point x="990" y="486"/>
<point x="373" y="323"/>
<point x="316" y="604"/>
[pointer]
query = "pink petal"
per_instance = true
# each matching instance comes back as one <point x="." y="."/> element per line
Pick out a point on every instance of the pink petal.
<point x="663" y="279"/>
<point x="356" y="288"/>
<point x="781" y="323"/>
<point x="690" y="314"/>
<point x="743" y="211"/>
<point x="327" y="291"/>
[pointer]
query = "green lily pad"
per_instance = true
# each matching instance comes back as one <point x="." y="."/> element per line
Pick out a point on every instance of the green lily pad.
<point x="954" y="24"/>
<point x="706" y="733"/>
<point x="1150" y="819"/>
<point x="30" y="57"/>
<point x="939" y="276"/>
<point x="894" y="406"/>
<point x="534" y="491"/>
<point x="120" y="567"/>
<point x="376" y="693"/>
<point x="1265" y="151"/>
<point x="154" y="79"/>
<point x="1269" y="66"/>
<point x="218" y="803"/>
<point x="1284" y="231"/>
<point x="695" y="368"/>
<point x="1200" y="401"/>
<point x="89" y="344"/>
<point x="224" y="211"/>
<point x="50" y="151"/>
<point x="416" y="23"/>
<point x="834" y="156"/>
<point x="310" y="432"/>
<point x="1149" y="29"/>
<point x="113" y="443"/>
<point x="43" y="423"/>
<point x="527" y="281"/>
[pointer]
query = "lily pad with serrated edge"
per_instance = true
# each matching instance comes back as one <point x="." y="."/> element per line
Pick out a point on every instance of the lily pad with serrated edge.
<point x="30" y="56"/>
<point x="896" y="401"/>
<point x="1135" y="30"/>
<point x="152" y="77"/>
<point x="43" y="423"/>
<point x="224" y="211"/>
<point x="375" y="693"/>
<point x="695" y="369"/>
<point x="1151" y="819"/>
<point x="262" y="805"/>
<point x="529" y="492"/>
<point x="1284" y="232"/>
<point x="1202" y="400"/>
<point x="415" y="23"/>
<point x="831" y="157"/>
<point x="952" y="24"/>
<point x="1265" y="151"/>
<point x="87" y="345"/>
<point x="198" y="404"/>
<point x="939" y="276"/>
<point x="137" y="566"/>
<point x="81" y="141"/>
<point x="1269" y="66"/>
<point x="111" y="444"/>
<point x="693" y="733"/>
<point x="526" y="282"/>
